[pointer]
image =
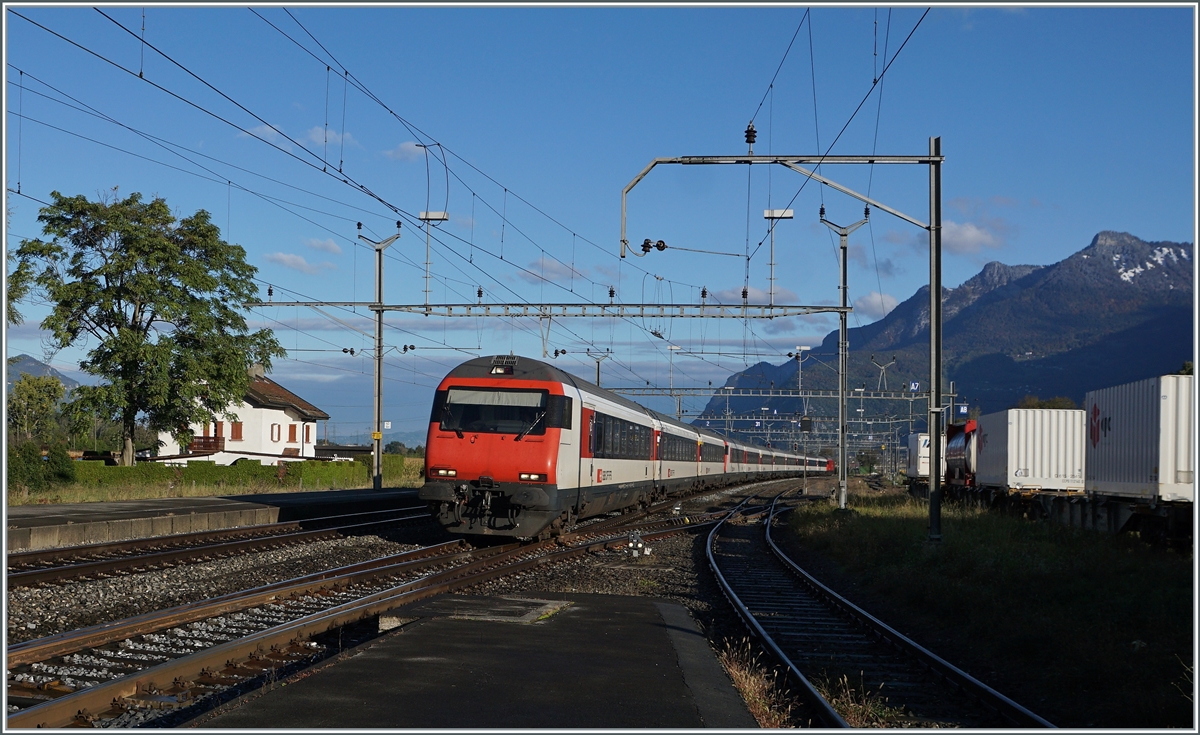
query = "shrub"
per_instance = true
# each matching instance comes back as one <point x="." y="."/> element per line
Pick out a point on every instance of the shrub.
<point x="28" y="470"/>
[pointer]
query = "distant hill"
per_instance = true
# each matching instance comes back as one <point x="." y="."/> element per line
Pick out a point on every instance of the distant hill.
<point x="26" y="364"/>
<point x="1120" y="309"/>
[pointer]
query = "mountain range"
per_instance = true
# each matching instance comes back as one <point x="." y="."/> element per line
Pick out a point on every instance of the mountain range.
<point x="22" y="364"/>
<point x="1119" y="310"/>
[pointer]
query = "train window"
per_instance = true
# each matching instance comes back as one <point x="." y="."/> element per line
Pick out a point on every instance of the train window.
<point x="619" y="439"/>
<point x="678" y="448"/>
<point x="493" y="411"/>
<point x="558" y="412"/>
<point x="712" y="452"/>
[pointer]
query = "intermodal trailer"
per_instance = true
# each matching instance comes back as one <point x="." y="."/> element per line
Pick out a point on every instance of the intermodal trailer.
<point x="1141" y="440"/>
<point x="1031" y="450"/>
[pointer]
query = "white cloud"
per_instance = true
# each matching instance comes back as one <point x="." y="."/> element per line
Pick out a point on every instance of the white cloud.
<point x="549" y="269"/>
<point x="269" y="133"/>
<point x="406" y="151"/>
<point x="325" y="246"/>
<point x="875" y="305"/>
<point x="780" y="326"/>
<point x="319" y="135"/>
<point x="298" y="263"/>
<point x="967" y="238"/>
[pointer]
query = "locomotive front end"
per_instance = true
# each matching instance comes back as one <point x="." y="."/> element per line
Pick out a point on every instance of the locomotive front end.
<point x="492" y="453"/>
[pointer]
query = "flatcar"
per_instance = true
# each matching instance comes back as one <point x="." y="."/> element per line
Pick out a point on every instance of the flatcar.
<point x="519" y="448"/>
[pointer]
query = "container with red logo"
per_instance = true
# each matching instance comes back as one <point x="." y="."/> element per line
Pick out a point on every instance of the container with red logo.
<point x="1031" y="450"/>
<point x="1141" y="439"/>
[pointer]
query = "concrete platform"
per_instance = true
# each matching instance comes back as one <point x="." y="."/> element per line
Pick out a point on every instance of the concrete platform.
<point x="527" y="661"/>
<point x="31" y="527"/>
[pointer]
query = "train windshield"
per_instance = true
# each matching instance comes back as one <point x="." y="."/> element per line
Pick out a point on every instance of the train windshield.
<point x="494" y="411"/>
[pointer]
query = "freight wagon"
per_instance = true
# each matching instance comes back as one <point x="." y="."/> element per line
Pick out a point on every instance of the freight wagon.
<point x="1123" y="463"/>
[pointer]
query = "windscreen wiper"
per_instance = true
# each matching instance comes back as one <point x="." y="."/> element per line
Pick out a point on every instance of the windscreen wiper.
<point x="529" y="428"/>
<point x="446" y="414"/>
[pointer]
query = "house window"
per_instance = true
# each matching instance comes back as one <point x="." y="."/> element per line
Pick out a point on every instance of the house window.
<point x="275" y="432"/>
<point x="235" y="431"/>
<point x="220" y="428"/>
<point x="307" y="434"/>
<point x="291" y="433"/>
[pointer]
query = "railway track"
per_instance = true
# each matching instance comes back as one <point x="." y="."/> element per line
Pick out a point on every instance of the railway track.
<point x="112" y="674"/>
<point x="821" y="637"/>
<point x="126" y="557"/>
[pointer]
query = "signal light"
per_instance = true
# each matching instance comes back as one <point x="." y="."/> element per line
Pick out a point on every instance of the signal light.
<point x="532" y="477"/>
<point x="443" y="472"/>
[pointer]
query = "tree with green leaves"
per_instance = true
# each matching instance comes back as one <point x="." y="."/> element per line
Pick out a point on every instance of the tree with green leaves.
<point x="159" y="298"/>
<point x="1031" y="401"/>
<point x="33" y="406"/>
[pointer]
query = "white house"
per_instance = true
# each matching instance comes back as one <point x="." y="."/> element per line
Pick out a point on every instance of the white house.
<point x="273" y="424"/>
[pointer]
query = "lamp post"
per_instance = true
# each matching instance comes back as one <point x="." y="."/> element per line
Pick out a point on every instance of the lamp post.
<point x="773" y="216"/>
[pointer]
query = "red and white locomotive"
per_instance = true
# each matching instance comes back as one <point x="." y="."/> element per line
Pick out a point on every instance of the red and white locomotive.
<point x="519" y="448"/>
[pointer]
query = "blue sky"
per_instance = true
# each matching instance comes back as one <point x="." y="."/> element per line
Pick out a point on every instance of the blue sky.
<point x="1056" y="123"/>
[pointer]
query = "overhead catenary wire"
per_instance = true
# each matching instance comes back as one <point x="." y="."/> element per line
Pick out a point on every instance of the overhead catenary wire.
<point x="504" y="215"/>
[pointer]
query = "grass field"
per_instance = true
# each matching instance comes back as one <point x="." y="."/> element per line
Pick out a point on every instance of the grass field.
<point x="1086" y="629"/>
<point x="397" y="472"/>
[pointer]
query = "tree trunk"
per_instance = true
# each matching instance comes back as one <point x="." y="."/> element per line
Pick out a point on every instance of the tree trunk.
<point x="127" y="446"/>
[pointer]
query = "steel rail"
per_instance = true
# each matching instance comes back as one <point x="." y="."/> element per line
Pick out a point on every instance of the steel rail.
<point x="191" y="554"/>
<point x="505" y="561"/>
<point x="1011" y="710"/>
<point x="824" y="712"/>
<point x="103" y="633"/>
<point x="26" y="558"/>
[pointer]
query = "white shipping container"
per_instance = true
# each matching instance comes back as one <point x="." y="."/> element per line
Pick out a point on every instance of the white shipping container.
<point x="1141" y="439"/>
<point x="1031" y="449"/>
<point x="918" y="456"/>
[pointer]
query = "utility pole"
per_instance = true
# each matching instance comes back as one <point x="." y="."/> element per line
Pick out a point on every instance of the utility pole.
<point x="428" y="217"/>
<point x="935" y="340"/>
<point x="377" y="431"/>
<point x="672" y="349"/>
<point x="882" y="372"/>
<point x="773" y="216"/>
<point x="843" y="349"/>
<point x="599" y="357"/>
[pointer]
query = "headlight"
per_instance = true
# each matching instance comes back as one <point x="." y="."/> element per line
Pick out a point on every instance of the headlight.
<point x="532" y="477"/>
<point x="443" y="473"/>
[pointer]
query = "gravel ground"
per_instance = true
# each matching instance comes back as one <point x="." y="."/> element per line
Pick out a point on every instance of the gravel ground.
<point x="36" y="612"/>
<point x="676" y="569"/>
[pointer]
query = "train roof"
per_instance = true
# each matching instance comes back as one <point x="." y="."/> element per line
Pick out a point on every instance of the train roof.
<point x="527" y="368"/>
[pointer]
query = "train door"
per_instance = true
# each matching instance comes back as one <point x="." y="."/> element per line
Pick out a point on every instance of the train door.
<point x="587" y="446"/>
<point x="656" y="457"/>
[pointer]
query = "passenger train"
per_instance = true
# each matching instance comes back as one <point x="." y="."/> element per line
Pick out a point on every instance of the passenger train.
<point x="518" y="448"/>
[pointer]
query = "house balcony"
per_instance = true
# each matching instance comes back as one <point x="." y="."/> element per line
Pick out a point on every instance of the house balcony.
<point x="207" y="444"/>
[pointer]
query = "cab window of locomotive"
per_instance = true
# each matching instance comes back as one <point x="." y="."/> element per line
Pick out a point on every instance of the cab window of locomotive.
<point x="494" y="411"/>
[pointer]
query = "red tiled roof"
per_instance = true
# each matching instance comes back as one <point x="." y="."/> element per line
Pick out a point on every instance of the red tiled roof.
<point x="266" y="393"/>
